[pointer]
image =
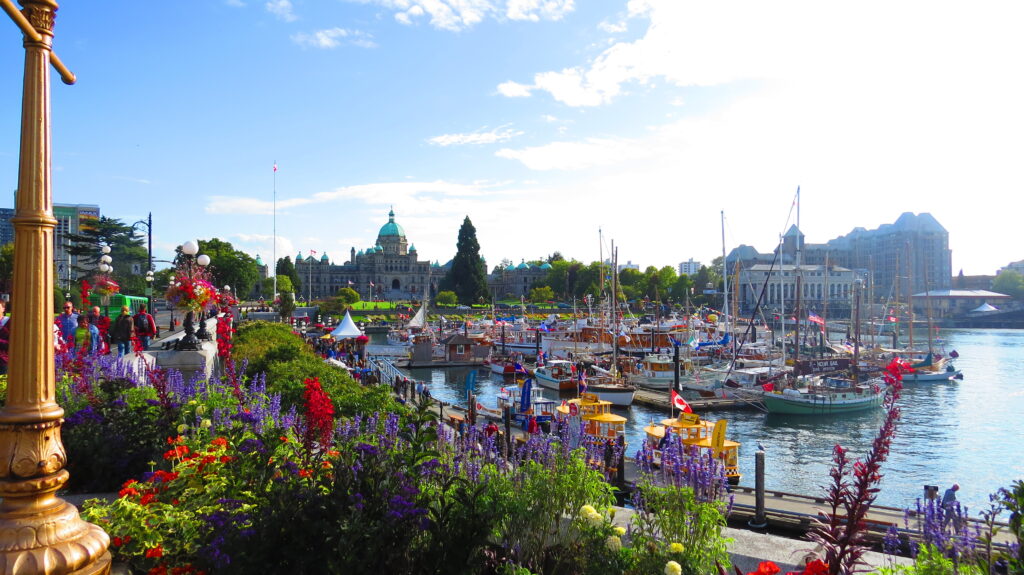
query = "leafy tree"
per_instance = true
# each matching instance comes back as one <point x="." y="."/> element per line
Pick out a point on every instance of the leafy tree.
<point x="467" y="276"/>
<point x="286" y="294"/>
<point x="447" y="298"/>
<point x="541" y="294"/>
<point x="682" y="288"/>
<point x="286" y="268"/>
<point x="1010" y="283"/>
<point x="126" y="250"/>
<point x="555" y="257"/>
<point x="229" y="266"/>
<point x="348" y="295"/>
<point x="6" y="267"/>
<point x="632" y="284"/>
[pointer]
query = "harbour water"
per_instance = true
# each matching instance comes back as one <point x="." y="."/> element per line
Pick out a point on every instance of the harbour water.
<point x="967" y="432"/>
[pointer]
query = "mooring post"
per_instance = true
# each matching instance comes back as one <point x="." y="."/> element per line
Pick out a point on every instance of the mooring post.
<point x="759" y="521"/>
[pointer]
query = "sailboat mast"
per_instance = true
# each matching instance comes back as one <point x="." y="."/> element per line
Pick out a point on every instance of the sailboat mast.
<point x="725" y="278"/>
<point x="782" y="300"/>
<point x="799" y="277"/>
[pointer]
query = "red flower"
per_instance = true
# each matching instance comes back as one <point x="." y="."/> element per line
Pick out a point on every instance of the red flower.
<point x="220" y="441"/>
<point x="816" y="567"/>
<point x="117" y="542"/>
<point x="319" y="415"/>
<point x="766" y="568"/>
<point x="155" y="552"/>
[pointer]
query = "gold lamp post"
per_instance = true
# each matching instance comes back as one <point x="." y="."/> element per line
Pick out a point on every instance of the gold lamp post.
<point x="39" y="532"/>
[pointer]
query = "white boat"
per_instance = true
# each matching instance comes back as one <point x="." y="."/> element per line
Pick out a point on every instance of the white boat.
<point x="657" y="371"/>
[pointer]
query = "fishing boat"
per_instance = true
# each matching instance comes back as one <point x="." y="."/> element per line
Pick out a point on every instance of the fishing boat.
<point x="701" y="435"/>
<point x="827" y="395"/>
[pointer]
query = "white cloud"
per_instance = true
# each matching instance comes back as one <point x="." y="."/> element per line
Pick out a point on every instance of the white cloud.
<point x="481" y="136"/>
<point x="514" y="90"/>
<point x="334" y="37"/>
<point x="613" y="28"/>
<point x="282" y="9"/>
<point x="457" y="15"/>
<point x="535" y="10"/>
<point x="578" y="155"/>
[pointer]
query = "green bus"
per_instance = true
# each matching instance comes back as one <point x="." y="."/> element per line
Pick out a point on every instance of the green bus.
<point x="115" y="301"/>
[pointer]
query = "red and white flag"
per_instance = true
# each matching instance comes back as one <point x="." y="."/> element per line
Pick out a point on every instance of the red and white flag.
<point x="679" y="403"/>
<point x="275" y="166"/>
<point x="371" y="284"/>
<point x="312" y="252"/>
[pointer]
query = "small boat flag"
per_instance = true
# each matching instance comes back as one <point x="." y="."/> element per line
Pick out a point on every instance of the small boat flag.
<point x="679" y="403"/>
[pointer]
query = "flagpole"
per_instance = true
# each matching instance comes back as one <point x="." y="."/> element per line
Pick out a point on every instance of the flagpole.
<point x="273" y="249"/>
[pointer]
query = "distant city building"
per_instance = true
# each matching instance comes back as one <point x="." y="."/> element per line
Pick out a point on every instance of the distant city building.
<point x="1014" y="267"/>
<point x="391" y="269"/>
<point x="629" y="265"/>
<point x="909" y="256"/>
<point x="689" y="268"/>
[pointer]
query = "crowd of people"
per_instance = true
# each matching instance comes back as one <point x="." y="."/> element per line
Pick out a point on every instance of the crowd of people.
<point x="92" y="333"/>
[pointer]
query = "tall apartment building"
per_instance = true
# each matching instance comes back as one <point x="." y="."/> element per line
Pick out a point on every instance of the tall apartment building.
<point x="71" y="219"/>
<point x="689" y="268"/>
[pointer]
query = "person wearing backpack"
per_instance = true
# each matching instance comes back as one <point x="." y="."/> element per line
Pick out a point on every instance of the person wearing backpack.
<point x="145" y="327"/>
<point x="122" y="330"/>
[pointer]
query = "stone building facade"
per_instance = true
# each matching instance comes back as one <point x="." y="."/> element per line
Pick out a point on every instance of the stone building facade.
<point x="390" y="270"/>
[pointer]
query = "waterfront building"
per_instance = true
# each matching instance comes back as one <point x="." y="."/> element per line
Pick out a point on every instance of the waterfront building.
<point x="825" y="291"/>
<point x="896" y="260"/>
<point x="389" y="270"/>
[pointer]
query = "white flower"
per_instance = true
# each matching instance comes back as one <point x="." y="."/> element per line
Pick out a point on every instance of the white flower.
<point x="205" y="424"/>
<point x="595" y="519"/>
<point x="673" y="568"/>
<point x="200" y="409"/>
<point x="613" y="543"/>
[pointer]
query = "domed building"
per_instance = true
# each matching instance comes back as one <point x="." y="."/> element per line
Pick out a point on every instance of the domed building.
<point x="389" y="270"/>
<point x="516" y="280"/>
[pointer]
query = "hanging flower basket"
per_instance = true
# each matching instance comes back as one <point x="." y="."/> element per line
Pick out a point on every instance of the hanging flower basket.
<point x="190" y="292"/>
<point x="105" y="286"/>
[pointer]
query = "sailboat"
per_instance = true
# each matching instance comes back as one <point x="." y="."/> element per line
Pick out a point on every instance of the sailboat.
<point x="404" y="336"/>
<point x="827" y="394"/>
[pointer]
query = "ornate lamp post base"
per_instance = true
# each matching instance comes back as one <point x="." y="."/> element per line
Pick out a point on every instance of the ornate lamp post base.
<point x="188" y="342"/>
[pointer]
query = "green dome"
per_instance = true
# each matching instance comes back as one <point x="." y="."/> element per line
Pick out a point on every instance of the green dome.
<point x="298" y="258"/>
<point x="523" y="266"/>
<point x="391" y="228"/>
<point x="545" y="266"/>
<point x="259" y="260"/>
<point x="324" y="258"/>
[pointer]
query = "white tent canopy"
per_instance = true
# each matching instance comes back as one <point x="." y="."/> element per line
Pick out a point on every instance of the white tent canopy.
<point x="347" y="329"/>
<point x="984" y="308"/>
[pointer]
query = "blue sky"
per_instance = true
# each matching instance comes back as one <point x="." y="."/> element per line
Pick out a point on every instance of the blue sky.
<point x="544" y="121"/>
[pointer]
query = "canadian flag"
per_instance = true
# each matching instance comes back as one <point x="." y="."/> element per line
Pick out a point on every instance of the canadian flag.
<point x="679" y="403"/>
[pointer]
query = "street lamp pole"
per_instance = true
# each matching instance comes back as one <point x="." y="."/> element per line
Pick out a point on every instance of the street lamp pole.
<point x="148" y="222"/>
<point x="42" y="532"/>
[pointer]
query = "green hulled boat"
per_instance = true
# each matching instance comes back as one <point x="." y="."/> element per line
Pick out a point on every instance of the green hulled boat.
<point x="829" y="396"/>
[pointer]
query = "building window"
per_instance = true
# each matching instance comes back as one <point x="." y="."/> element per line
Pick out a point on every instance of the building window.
<point x="460" y="349"/>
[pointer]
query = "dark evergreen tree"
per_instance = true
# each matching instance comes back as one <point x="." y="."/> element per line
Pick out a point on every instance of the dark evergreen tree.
<point x="126" y="249"/>
<point x="285" y="267"/>
<point x="467" y="276"/>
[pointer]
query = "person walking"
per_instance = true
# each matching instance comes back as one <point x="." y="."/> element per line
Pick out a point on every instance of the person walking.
<point x="5" y="336"/>
<point x="122" y="330"/>
<point x="102" y="324"/>
<point x="951" y="507"/>
<point x="86" y="339"/>
<point x="67" y="321"/>
<point x="145" y="327"/>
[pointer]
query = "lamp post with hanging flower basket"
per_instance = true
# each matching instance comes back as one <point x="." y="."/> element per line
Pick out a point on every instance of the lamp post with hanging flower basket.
<point x="190" y="290"/>
<point x="103" y="283"/>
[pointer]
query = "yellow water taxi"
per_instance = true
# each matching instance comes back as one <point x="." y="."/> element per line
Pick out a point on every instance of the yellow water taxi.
<point x="700" y="434"/>
<point x="598" y="420"/>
